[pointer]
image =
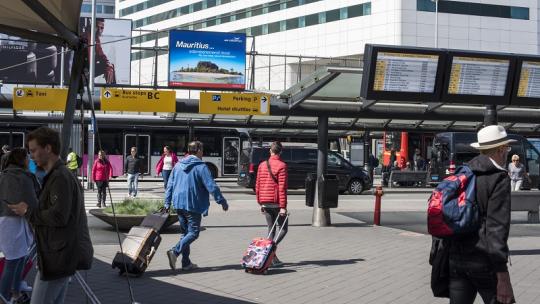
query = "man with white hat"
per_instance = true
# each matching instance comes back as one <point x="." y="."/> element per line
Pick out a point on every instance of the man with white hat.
<point x="478" y="260"/>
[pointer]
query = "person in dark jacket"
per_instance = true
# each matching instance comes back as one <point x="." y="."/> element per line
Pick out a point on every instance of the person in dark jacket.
<point x="59" y="221"/>
<point x="272" y="193"/>
<point x="132" y="168"/>
<point x="188" y="191"/>
<point x="478" y="260"/>
<point x="101" y="173"/>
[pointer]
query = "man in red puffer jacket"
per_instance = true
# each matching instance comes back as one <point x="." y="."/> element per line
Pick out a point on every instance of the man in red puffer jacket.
<point x="271" y="190"/>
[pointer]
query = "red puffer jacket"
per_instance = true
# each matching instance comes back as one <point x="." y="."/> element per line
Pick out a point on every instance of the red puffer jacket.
<point x="266" y="188"/>
<point x="101" y="171"/>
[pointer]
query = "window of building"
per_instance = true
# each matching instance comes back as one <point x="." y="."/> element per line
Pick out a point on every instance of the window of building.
<point x="109" y="9"/>
<point x="312" y="19"/>
<point x="240" y="15"/>
<point x="292" y="3"/>
<point x="257" y="10"/>
<point x="474" y="9"/>
<point x="197" y="6"/>
<point x="355" y="11"/>
<point x="86" y="8"/>
<point x="342" y="13"/>
<point x="211" y="22"/>
<point x="273" y="27"/>
<point x="273" y="6"/>
<point x="333" y="15"/>
<point x="184" y="10"/>
<point x="256" y="30"/>
<point x="225" y="19"/>
<point x="292" y="24"/>
<point x="302" y="21"/>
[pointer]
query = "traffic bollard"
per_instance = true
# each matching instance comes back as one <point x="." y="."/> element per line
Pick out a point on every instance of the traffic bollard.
<point x="377" y="215"/>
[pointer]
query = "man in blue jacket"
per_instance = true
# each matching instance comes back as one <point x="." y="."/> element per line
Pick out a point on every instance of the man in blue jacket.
<point x="188" y="189"/>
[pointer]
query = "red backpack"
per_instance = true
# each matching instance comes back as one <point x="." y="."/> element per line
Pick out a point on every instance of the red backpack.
<point x="452" y="207"/>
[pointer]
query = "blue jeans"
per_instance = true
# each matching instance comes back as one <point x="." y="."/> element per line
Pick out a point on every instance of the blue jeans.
<point x="166" y="174"/>
<point x="133" y="183"/>
<point x="190" y="222"/>
<point x="49" y="292"/>
<point x="12" y="277"/>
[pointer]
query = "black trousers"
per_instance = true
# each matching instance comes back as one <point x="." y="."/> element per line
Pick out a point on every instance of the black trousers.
<point x="102" y="191"/>
<point x="271" y="214"/>
<point x="470" y="275"/>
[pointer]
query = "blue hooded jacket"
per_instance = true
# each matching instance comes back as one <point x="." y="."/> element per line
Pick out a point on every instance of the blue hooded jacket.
<point x="189" y="187"/>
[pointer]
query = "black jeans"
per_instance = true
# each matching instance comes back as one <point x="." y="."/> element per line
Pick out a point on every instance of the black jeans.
<point x="271" y="214"/>
<point x="102" y="191"/>
<point x="471" y="275"/>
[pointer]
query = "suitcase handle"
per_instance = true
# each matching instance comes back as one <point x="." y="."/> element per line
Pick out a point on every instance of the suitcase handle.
<point x="275" y="224"/>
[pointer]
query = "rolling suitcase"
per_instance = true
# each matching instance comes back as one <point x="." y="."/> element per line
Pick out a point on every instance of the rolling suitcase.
<point x="140" y="245"/>
<point x="260" y="253"/>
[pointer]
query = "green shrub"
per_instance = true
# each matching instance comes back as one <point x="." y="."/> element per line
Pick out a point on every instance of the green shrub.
<point x="135" y="206"/>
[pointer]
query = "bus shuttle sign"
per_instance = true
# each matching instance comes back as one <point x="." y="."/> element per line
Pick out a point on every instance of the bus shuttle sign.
<point x="234" y="103"/>
<point x="138" y="100"/>
<point x="39" y="99"/>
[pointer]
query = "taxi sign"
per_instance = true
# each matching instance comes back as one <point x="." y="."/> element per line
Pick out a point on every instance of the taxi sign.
<point x="234" y="103"/>
<point x="39" y="99"/>
<point x="138" y="100"/>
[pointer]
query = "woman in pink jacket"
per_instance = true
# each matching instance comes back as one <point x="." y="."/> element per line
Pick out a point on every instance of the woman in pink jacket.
<point x="101" y="173"/>
<point x="166" y="164"/>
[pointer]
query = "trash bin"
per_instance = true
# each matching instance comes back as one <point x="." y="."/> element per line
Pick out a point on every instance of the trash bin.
<point x="328" y="191"/>
<point x="310" y="189"/>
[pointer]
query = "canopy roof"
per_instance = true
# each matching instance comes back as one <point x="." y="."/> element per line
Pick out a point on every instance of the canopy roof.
<point x="41" y="20"/>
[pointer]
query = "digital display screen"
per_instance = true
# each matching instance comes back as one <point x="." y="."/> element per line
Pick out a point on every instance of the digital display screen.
<point x="405" y="72"/>
<point x="478" y="76"/>
<point x="529" y="80"/>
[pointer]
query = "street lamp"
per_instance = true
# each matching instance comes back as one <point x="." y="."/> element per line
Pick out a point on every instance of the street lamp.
<point x="436" y="22"/>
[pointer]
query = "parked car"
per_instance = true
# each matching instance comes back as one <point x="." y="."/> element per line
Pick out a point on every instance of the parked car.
<point x="300" y="162"/>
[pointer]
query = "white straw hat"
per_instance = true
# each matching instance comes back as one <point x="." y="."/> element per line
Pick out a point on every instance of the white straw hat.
<point x="491" y="137"/>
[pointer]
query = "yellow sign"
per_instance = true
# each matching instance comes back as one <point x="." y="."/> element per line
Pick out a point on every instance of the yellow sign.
<point x="39" y="99"/>
<point x="138" y="100"/>
<point x="234" y="103"/>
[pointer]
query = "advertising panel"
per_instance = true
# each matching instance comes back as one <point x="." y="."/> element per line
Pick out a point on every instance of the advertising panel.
<point x="112" y="51"/>
<point x="402" y="73"/>
<point x="207" y="60"/>
<point x="25" y="61"/>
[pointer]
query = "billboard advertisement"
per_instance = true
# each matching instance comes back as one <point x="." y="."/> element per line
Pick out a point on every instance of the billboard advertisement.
<point x="113" y="49"/>
<point x="207" y="60"/>
<point x="25" y="61"/>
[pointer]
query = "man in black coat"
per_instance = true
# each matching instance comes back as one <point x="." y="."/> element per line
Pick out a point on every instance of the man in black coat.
<point x="59" y="221"/>
<point x="478" y="260"/>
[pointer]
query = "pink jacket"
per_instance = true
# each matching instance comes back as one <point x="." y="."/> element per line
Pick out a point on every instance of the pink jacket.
<point x="159" y="166"/>
<point x="101" y="171"/>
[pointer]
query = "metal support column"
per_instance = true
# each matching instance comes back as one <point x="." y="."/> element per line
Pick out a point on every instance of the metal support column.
<point x="490" y="115"/>
<point x="321" y="216"/>
<point x="74" y="83"/>
<point x="367" y="154"/>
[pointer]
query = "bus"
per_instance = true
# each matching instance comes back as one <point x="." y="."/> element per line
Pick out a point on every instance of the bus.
<point x="221" y="146"/>
<point x="404" y="144"/>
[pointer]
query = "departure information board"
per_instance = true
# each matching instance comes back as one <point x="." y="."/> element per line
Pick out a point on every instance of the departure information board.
<point x="478" y="76"/>
<point x="405" y="72"/>
<point x="529" y="80"/>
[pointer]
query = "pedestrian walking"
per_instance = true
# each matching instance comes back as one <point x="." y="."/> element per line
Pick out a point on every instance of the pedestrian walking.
<point x="17" y="184"/>
<point x="59" y="221"/>
<point x="478" y="260"/>
<point x="166" y="164"/>
<point x="271" y="192"/>
<point x="188" y="192"/>
<point x="132" y="169"/>
<point x="5" y="153"/>
<point x="101" y="173"/>
<point x="517" y="173"/>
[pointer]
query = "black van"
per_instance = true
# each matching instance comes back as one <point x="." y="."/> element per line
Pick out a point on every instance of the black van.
<point x="451" y="149"/>
<point x="301" y="161"/>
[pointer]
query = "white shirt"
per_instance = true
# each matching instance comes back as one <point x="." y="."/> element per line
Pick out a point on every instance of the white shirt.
<point x="167" y="163"/>
<point x="497" y="165"/>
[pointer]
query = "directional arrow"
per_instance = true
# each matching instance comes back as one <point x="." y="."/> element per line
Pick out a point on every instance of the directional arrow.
<point x="264" y="99"/>
<point x="107" y="94"/>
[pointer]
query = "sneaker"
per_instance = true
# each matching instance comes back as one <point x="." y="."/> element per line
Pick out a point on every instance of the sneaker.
<point x="25" y="287"/>
<point x="190" y="267"/>
<point x="172" y="259"/>
<point x="276" y="262"/>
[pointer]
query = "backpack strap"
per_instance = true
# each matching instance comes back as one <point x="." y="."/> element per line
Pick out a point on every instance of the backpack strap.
<point x="270" y="172"/>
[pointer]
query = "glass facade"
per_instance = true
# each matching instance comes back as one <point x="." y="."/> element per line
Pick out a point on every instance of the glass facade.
<point x="475" y="9"/>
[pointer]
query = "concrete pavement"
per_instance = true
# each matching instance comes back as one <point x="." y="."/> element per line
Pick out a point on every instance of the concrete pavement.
<point x="350" y="262"/>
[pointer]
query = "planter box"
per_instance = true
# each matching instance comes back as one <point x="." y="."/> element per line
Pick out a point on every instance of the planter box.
<point x="125" y="222"/>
